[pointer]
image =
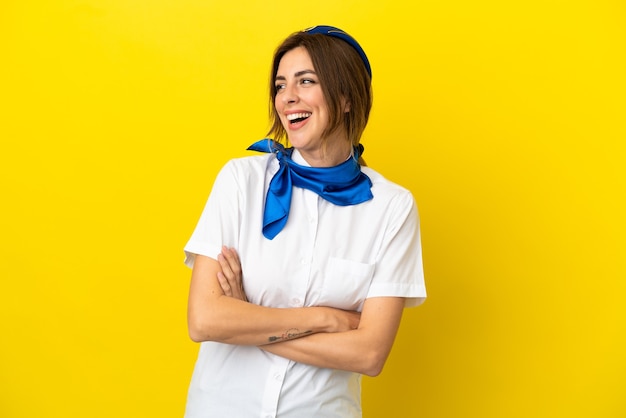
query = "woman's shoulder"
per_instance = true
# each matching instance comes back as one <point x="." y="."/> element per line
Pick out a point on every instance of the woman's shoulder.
<point x="250" y="165"/>
<point x="396" y="201"/>
<point x="245" y="173"/>
<point x="382" y="185"/>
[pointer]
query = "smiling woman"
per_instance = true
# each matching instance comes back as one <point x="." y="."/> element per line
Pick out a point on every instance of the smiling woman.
<point x="289" y="316"/>
<point x="504" y="119"/>
<point x="346" y="88"/>
<point x="303" y="111"/>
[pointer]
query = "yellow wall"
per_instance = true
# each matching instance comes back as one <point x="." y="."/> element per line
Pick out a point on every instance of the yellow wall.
<point x="505" y="119"/>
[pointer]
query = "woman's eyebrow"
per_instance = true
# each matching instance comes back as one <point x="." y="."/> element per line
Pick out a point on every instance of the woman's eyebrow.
<point x="297" y="74"/>
<point x="303" y="72"/>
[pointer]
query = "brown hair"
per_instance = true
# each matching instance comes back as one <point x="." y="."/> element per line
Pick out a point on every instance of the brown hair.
<point x="343" y="78"/>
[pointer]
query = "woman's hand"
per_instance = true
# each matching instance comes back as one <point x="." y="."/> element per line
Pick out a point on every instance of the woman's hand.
<point x="231" y="277"/>
<point x="363" y="350"/>
<point x="345" y="320"/>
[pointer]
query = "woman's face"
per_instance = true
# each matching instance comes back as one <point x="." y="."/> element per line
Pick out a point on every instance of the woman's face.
<point x="303" y="111"/>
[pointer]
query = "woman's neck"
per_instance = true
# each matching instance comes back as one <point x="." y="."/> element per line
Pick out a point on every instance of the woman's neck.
<point x="330" y="154"/>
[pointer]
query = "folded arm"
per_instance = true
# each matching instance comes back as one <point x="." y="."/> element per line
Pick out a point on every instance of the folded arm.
<point x="212" y="316"/>
<point x="363" y="349"/>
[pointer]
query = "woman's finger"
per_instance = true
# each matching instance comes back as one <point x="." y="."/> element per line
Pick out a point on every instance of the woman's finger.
<point x="231" y="274"/>
<point x="226" y="267"/>
<point x="232" y="258"/>
<point x="223" y="281"/>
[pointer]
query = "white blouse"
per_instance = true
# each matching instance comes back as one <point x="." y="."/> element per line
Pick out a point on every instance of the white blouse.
<point x="326" y="255"/>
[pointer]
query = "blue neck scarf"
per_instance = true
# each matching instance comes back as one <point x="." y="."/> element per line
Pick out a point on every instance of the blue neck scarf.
<point x="342" y="185"/>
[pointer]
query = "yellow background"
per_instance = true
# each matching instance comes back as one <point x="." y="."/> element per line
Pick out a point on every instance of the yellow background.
<point x="505" y="119"/>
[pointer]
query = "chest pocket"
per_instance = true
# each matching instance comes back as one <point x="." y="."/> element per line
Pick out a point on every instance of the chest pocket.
<point x="346" y="283"/>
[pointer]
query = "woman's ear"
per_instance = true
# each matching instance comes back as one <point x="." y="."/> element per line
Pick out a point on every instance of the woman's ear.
<point x="346" y="105"/>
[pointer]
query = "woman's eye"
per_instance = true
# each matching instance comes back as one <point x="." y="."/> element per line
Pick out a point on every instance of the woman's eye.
<point x="307" y="81"/>
<point x="279" y="87"/>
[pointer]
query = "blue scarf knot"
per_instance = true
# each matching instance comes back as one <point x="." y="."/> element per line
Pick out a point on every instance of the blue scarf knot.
<point x="342" y="185"/>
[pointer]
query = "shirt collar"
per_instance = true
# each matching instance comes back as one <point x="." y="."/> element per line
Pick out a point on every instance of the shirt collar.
<point x="299" y="159"/>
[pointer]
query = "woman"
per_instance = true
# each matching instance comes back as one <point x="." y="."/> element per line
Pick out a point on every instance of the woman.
<point x="303" y="259"/>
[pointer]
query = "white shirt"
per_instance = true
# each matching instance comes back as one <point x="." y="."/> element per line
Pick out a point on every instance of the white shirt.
<point x="326" y="255"/>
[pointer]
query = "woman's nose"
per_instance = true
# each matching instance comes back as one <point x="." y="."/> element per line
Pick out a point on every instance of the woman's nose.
<point x="290" y="95"/>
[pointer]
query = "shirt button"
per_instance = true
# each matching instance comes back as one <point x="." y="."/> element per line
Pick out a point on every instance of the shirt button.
<point x="295" y="302"/>
<point x="302" y="261"/>
<point x="278" y="376"/>
<point x="311" y="220"/>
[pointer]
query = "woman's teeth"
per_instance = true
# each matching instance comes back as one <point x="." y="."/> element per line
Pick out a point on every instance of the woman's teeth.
<point x="298" y="117"/>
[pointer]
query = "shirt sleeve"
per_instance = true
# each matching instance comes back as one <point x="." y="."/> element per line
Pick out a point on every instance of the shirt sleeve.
<point x="399" y="270"/>
<point x="218" y="224"/>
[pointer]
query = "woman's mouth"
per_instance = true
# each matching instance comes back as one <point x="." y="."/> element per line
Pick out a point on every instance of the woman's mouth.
<point x="294" y="118"/>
